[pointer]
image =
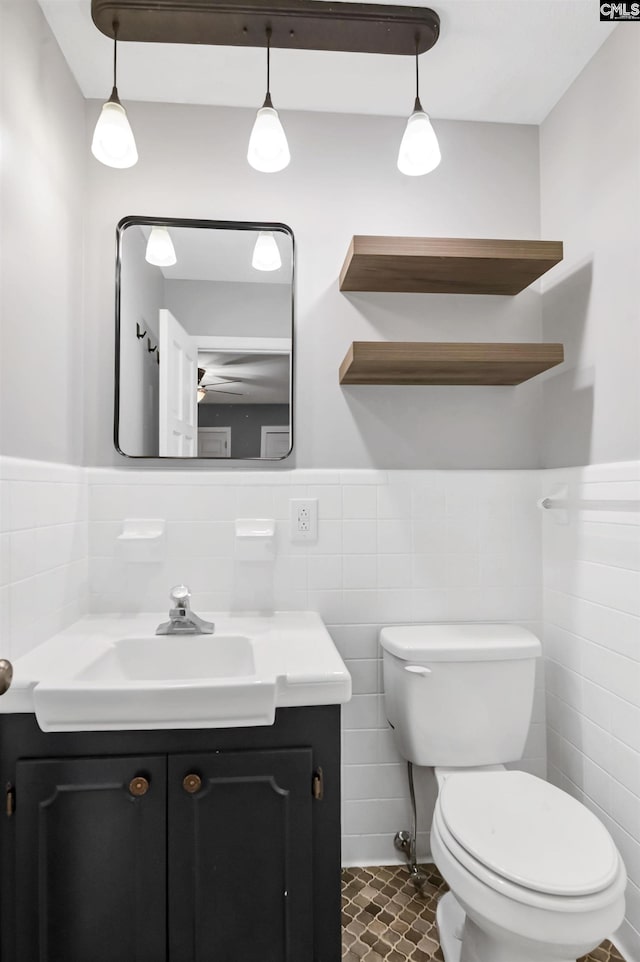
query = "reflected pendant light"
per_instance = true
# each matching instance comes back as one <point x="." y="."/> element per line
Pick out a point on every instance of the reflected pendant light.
<point x="268" y="148"/>
<point x="266" y="256"/>
<point x="160" y="250"/>
<point x="419" y="151"/>
<point x="113" y="142"/>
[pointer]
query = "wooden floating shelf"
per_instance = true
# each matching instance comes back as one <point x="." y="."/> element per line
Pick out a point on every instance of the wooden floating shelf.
<point x="438" y="363"/>
<point x="446" y="265"/>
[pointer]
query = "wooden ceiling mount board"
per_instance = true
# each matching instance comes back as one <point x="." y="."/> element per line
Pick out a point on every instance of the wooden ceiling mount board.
<point x="439" y="363"/>
<point x="446" y="265"/>
<point x="298" y="24"/>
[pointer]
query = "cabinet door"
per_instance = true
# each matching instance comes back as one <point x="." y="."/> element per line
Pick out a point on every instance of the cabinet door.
<point x="91" y="860"/>
<point x="240" y="857"/>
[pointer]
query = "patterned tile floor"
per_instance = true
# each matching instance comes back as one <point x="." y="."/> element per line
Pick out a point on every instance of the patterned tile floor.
<point x="385" y="920"/>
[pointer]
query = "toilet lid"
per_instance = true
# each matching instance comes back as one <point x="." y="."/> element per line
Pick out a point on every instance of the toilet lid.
<point x="529" y="832"/>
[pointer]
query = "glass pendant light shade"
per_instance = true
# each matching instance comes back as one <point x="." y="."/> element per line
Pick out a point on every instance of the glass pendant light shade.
<point x="160" y="250"/>
<point x="419" y="150"/>
<point x="266" y="256"/>
<point x="113" y="142"/>
<point x="268" y="147"/>
<point x="201" y="394"/>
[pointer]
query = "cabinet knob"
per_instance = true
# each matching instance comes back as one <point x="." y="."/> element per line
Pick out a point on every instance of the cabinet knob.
<point x="192" y="783"/>
<point x="6" y="675"/>
<point x="139" y="786"/>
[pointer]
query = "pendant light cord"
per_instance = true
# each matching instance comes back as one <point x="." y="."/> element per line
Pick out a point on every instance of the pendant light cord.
<point x="268" y="59"/>
<point x="114" y="93"/>
<point x="115" y="51"/>
<point x="417" y="105"/>
<point x="267" y="99"/>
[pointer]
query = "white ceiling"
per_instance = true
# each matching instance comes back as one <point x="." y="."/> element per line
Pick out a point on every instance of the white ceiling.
<point x="508" y="61"/>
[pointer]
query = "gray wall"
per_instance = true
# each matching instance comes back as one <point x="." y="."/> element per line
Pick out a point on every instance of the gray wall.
<point x="342" y="180"/>
<point x="590" y="176"/>
<point x="42" y="322"/>
<point x="245" y="421"/>
<point x="142" y="296"/>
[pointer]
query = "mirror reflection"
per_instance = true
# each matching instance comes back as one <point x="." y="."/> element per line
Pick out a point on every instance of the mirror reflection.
<point x="205" y="327"/>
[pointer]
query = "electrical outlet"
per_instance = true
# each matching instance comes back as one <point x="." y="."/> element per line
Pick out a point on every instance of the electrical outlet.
<point x="304" y="519"/>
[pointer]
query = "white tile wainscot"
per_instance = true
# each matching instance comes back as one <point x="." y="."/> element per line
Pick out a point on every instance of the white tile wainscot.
<point x="43" y="551"/>
<point x="393" y="547"/>
<point x="591" y="568"/>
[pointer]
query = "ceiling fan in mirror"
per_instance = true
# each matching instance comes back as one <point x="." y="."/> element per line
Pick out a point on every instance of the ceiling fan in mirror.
<point x="205" y="387"/>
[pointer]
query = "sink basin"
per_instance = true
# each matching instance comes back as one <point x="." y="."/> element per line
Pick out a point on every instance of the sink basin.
<point x="162" y="681"/>
<point x="171" y="658"/>
<point x="112" y="672"/>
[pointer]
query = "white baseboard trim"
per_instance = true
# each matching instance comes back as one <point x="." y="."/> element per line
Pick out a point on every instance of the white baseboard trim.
<point x="366" y="862"/>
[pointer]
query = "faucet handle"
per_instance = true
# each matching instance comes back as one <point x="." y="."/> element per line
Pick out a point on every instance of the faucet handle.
<point x="180" y="596"/>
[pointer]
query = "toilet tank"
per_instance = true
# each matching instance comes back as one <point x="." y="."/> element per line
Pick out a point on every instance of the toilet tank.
<point x="459" y="695"/>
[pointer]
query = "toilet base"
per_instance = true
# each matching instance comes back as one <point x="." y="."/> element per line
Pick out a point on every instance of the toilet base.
<point x="450" y="920"/>
<point x="461" y="940"/>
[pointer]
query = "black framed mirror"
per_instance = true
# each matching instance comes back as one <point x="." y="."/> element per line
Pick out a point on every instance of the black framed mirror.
<point x="204" y="339"/>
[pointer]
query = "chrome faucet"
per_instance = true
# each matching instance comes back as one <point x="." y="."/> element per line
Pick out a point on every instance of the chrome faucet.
<point x="182" y="620"/>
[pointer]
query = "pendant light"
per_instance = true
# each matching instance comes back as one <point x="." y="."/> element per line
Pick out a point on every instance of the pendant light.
<point x="266" y="256"/>
<point x="419" y="150"/>
<point x="113" y="141"/>
<point x="160" y="250"/>
<point x="268" y="147"/>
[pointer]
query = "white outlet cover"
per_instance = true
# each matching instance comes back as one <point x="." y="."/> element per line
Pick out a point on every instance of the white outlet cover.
<point x="303" y="517"/>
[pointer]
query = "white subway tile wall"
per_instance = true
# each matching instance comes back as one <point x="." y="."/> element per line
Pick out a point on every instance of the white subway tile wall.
<point x="43" y="551"/>
<point x="591" y="568"/>
<point x="393" y="546"/>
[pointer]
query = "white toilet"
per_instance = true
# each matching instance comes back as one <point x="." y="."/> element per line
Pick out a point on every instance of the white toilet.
<point x="534" y="875"/>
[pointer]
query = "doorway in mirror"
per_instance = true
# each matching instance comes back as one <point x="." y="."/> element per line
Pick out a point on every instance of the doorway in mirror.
<point x="274" y="442"/>
<point x="214" y="442"/>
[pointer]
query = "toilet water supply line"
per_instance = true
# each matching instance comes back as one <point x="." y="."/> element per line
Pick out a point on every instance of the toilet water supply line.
<point x="407" y="841"/>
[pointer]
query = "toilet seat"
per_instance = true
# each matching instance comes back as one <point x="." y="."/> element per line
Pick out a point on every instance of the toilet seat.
<point x="490" y="864"/>
<point x="518" y="893"/>
<point x="528" y="832"/>
<point x="582" y="905"/>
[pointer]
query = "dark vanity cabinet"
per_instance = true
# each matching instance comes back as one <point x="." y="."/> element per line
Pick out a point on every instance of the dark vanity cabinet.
<point x="240" y="856"/>
<point x="174" y="846"/>
<point x="90" y="866"/>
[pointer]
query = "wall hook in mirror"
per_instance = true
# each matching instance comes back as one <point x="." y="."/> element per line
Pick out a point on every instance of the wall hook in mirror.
<point x="149" y="348"/>
<point x="139" y="332"/>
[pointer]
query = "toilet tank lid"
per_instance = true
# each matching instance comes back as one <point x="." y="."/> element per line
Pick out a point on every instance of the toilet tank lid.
<point x="461" y="642"/>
